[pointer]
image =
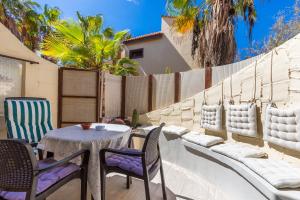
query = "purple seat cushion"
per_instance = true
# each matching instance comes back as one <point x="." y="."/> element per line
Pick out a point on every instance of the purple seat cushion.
<point x="45" y="180"/>
<point x="128" y="163"/>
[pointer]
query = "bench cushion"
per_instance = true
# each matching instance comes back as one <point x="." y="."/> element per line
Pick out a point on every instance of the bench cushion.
<point x="29" y="120"/>
<point x="278" y="173"/>
<point x="203" y="140"/>
<point x="241" y="119"/>
<point x="282" y="127"/>
<point x="238" y="151"/>
<point x="211" y="117"/>
<point x="175" y="130"/>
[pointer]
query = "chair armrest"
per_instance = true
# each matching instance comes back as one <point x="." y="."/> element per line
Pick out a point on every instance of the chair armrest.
<point x="33" y="144"/>
<point x="120" y="152"/>
<point x="85" y="153"/>
<point x="137" y="135"/>
<point x="134" y="135"/>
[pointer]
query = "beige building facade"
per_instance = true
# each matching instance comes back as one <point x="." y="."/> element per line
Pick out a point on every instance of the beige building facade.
<point x="161" y="52"/>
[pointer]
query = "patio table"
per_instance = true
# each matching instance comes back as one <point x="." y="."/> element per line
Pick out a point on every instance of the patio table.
<point x="65" y="141"/>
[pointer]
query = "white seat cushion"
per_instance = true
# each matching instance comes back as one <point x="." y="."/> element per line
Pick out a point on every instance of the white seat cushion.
<point x="176" y="130"/>
<point x="278" y="173"/>
<point x="203" y="140"/>
<point x="239" y="151"/>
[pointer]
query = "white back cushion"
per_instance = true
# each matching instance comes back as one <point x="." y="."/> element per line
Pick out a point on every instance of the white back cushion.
<point x="211" y="117"/>
<point x="278" y="173"/>
<point x="203" y="140"/>
<point x="239" y="151"/>
<point x="282" y="127"/>
<point x="241" y="119"/>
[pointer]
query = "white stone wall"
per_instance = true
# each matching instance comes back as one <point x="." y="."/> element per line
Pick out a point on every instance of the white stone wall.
<point x="241" y="86"/>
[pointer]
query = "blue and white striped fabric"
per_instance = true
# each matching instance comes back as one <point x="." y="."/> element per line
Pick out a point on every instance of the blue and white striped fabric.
<point x="27" y="119"/>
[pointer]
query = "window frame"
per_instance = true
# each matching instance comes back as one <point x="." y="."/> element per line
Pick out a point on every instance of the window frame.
<point x="133" y="51"/>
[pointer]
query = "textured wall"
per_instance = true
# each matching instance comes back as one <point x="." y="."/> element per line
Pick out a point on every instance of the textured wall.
<point x="283" y="81"/>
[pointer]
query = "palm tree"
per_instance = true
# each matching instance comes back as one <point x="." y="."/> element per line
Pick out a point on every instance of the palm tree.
<point x="25" y="22"/>
<point x="213" y="24"/>
<point x="86" y="44"/>
<point x="8" y="15"/>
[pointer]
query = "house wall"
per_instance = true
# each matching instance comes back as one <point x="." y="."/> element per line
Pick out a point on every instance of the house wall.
<point x="159" y="54"/>
<point x="25" y="79"/>
<point x="182" y="43"/>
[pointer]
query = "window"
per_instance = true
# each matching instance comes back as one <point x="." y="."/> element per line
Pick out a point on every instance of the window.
<point x="136" y="53"/>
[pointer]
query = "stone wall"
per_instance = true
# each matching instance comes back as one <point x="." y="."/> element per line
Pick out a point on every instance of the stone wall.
<point x="276" y="80"/>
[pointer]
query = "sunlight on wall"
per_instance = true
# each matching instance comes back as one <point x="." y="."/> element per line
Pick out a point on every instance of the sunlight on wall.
<point x="10" y="83"/>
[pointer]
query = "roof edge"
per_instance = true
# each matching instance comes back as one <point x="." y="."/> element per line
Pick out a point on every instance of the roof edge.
<point x="153" y="35"/>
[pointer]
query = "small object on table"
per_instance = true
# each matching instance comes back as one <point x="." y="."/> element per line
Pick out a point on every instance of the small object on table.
<point x="117" y="121"/>
<point x="100" y="128"/>
<point x="86" y="126"/>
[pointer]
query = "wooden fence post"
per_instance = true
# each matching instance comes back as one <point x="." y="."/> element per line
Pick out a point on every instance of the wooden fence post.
<point x="150" y="93"/>
<point x="123" y="97"/>
<point x="177" y="87"/>
<point x="59" y="109"/>
<point x="208" y="77"/>
<point x="98" y="96"/>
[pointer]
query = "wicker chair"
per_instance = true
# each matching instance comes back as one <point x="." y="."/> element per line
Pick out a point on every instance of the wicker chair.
<point x="22" y="177"/>
<point x="142" y="164"/>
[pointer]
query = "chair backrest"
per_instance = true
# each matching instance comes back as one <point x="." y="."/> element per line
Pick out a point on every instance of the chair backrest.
<point x="151" y="145"/>
<point x="17" y="165"/>
<point x="27" y="118"/>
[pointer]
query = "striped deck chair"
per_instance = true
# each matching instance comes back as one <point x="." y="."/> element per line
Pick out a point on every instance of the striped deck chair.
<point x="27" y="118"/>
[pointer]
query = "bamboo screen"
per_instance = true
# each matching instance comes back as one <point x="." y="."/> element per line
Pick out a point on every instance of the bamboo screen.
<point x="219" y="73"/>
<point x="112" y="95"/>
<point x="136" y="94"/>
<point x="192" y="82"/>
<point x="163" y="90"/>
<point x="78" y="98"/>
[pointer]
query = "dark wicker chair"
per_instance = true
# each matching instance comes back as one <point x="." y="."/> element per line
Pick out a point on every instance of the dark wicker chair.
<point x="142" y="164"/>
<point x="22" y="177"/>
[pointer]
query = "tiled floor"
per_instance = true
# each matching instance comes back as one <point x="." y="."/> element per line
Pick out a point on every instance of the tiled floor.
<point x="180" y="186"/>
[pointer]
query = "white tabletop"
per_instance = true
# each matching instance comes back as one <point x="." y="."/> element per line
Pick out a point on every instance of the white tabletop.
<point x="65" y="141"/>
<point x="77" y="134"/>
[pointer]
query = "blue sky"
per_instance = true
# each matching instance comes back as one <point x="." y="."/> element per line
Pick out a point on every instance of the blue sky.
<point x="143" y="16"/>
